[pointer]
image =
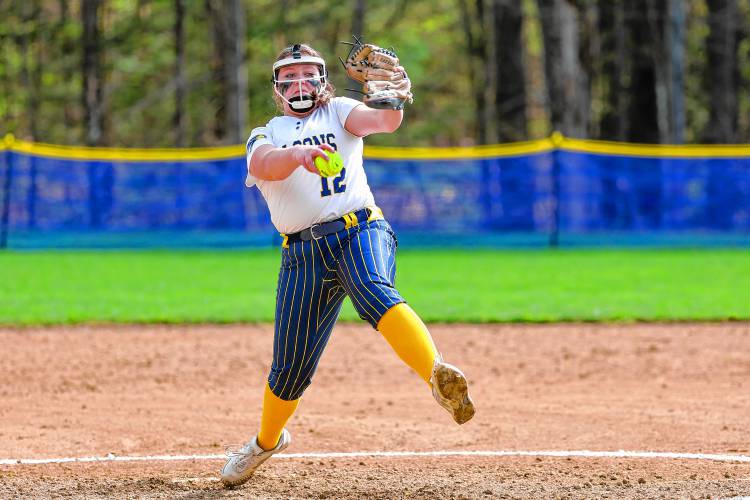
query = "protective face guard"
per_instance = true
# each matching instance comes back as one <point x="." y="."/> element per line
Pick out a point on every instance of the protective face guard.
<point x="303" y="101"/>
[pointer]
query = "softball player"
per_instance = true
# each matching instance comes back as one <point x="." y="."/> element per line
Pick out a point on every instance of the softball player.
<point x="336" y="243"/>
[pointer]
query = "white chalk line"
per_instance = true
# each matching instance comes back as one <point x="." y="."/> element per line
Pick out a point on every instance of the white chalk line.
<point x="397" y="454"/>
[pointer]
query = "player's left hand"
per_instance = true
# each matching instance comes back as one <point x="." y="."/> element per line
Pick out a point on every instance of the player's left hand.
<point x="385" y="82"/>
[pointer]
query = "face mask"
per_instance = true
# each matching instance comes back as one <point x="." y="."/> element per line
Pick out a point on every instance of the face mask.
<point x="303" y="101"/>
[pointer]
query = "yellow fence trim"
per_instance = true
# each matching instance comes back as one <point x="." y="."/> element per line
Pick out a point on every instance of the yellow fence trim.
<point x="7" y="142"/>
<point x="489" y="151"/>
<point x="127" y="154"/>
<point x="556" y="141"/>
<point x="656" y="150"/>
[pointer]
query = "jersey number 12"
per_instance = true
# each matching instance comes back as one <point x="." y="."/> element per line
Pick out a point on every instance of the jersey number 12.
<point x="339" y="186"/>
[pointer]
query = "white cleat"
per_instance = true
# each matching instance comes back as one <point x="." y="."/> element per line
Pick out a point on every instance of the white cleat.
<point x="243" y="462"/>
<point x="451" y="391"/>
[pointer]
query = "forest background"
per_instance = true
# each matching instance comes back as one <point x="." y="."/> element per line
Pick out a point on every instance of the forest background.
<point x="182" y="73"/>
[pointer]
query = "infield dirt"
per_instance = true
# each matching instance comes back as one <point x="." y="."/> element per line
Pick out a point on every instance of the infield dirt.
<point x="184" y="390"/>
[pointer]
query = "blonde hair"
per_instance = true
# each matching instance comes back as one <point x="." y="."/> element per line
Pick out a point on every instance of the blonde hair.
<point x="325" y="94"/>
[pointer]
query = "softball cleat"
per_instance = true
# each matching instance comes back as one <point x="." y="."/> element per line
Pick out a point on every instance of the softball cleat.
<point x="243" y="462"/>
<point x="451" y="391"/>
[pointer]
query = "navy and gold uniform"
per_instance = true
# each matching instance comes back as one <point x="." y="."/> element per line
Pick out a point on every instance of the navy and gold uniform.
<point x="356" y="259"/>
<point x="336" y="243"/>
<point x="315" y="277"/>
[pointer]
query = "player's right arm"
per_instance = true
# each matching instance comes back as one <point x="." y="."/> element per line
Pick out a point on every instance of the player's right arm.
<point x="270" y="163"/>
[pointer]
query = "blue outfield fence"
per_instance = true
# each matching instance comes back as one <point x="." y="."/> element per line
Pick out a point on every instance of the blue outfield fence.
<point x="555" y="191"/>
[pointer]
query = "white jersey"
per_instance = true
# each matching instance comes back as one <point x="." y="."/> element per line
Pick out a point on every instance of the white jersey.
<point x="304" y="198"/>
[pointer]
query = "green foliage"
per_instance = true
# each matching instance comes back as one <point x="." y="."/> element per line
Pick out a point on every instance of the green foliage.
<point x="443" y="286"/>
<point x="438" y="72"/>
<point x="139" y="56"/>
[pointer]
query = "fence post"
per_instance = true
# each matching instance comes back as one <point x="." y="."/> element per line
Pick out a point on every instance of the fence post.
<point x="5" y="212"/>
<point x="554" y="236"/>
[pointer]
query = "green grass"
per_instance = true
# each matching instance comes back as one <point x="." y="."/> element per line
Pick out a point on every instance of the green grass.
<point x="449" y="286"/>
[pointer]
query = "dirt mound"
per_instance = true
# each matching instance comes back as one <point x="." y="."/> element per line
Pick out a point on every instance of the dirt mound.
<point x="192" y="390"/>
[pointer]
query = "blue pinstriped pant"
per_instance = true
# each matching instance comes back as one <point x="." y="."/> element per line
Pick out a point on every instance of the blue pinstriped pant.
<point x="315" y="277"/>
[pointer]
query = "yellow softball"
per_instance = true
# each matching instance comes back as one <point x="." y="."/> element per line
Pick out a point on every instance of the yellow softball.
<point x="331" y="167"/>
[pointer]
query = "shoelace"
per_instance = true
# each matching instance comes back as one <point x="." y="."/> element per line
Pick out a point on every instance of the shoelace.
<point x="237" y="450"/>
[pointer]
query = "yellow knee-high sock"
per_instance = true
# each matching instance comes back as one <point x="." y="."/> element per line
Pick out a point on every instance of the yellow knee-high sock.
<point x="276" y="412"/>
<point x="409" y="337"/>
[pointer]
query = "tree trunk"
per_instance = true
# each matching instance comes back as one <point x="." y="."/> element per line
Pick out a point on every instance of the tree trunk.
<point x="31" y="46"/>
<point x="93" y="79"/>
<point x="66" y="45"/>
<point x="228" y="20"/>
<point x="614" y="67"/>
<point x="179" y="118"/>
<point x="280" y="26"/>
<point x="358" y="18"/>
<point x="27" y="43"/>
<point x="657" y="20"/>
<point x="358" y="30"/>
<point x="509" y="85"/>
<point x="642" y="103"/>
<point x="588" y="55"/>
<point x="722" y="71"/>
<point x="676" y="42"/>
<point x="476" y="49"/>
<point x="218" y="65"/>
<point x="567" y="82"/>
<point x="743" y="83"/>
<point x="237" y="73"/>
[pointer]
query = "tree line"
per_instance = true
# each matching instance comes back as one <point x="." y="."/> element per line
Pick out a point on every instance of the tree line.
<point x="166" y="73"/>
